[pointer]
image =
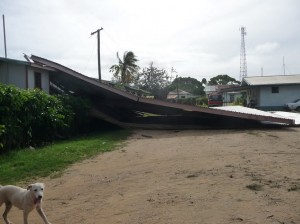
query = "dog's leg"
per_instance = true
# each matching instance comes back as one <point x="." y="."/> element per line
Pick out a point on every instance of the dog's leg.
<point x="25" y="216"/>
<point x="42" y="214"/>
<point x="8" y="206"/>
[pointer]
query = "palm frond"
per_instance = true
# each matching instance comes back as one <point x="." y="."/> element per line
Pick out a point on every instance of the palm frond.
<point x="126" y="69"/>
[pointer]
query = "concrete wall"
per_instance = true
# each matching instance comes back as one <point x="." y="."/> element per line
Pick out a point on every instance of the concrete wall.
<point x="285" y="95"/>
<point x="3" y="73"/>
<point x="15" y="74"/>
<point x="44" y="75"/>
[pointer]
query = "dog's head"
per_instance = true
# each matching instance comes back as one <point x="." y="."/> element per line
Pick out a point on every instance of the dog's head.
<point x="37" y="190"/>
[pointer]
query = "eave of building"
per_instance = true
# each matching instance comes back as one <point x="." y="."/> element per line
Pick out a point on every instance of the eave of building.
<point x="271" y="80"/>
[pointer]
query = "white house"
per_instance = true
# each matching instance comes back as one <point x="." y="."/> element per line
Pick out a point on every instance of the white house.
<point x="272" y="92"/>
<point x="179" y="94"/>
<point x="228" y="97"/>
<point x="24" y="74"/>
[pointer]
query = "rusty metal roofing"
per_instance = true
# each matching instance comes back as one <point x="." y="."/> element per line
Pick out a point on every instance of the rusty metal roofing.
<point x="125" y="109"/>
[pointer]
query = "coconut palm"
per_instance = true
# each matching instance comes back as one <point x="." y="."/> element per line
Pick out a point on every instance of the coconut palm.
<point x="126" y="69"/>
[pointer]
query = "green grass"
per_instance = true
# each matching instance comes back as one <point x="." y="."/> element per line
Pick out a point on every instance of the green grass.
<point x="27" y="164"/>
<point x="255" y="187"/>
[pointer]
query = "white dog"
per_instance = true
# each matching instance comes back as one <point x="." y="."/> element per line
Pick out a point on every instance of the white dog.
<point x="24" y="199"/>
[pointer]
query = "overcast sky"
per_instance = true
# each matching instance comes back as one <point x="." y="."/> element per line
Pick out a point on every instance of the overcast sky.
<point x="199" y="38"/>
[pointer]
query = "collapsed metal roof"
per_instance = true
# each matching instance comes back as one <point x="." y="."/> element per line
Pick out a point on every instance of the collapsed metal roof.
<point x="128" y="110"/>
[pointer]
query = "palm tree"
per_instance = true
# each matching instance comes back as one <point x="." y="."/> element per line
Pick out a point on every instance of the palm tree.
<point x="127" y="67"/>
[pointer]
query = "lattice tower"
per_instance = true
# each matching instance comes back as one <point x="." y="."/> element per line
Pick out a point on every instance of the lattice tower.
<point x="243" y="61"/>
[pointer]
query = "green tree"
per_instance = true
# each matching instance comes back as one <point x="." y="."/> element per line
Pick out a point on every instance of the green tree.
<point x="222" y="80"/>
<point x="154" y="80"/>
<point x="126" y="69"/>
<point x="189" y="84"/>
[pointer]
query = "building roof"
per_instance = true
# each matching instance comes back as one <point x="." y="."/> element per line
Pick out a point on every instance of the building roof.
<point x="210" y="88"/>
<point x="271" y="80"/>
<point x="26" y="63"/>
<point x="124" y="109"/>
<point x="179" y="91"/>
<point x="14" y="61"/>
<point x="218" y="88"/>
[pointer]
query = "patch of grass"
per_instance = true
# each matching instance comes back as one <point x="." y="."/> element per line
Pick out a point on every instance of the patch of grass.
<point x="27" y="164"/>
<point x="294" y="188"/>
<point x="257" y="134"/>
<point x="255" y="187"/>
<point x="273" y="136"/>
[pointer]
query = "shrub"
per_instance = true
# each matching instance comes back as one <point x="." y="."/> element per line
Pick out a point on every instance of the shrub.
<point x="188" y="101"/>
<point x="77" y="111"/>
<point x="2" y="129"/>
<point x="202" y="101"/>
<point x="238" y="101"/>
<point x="33" y="117"/>
<point x="44" y="116"/>
<point x="10" y="110"/>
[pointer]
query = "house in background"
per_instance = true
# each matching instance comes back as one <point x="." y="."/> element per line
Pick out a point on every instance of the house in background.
<point x="210" y="90"/>
<point x="268" y="92"/>
<point x="24" y="74"/>
<point x="230" y="97"/>
<point x="272" y="92"/>
<point x="174" y="95"/>
<point x="220" y="90"/>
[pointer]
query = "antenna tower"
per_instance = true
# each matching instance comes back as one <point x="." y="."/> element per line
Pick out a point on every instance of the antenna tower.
<point x="243" y="62"/>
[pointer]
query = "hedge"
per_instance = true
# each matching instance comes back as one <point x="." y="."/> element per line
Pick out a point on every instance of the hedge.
<point x="33" y="117"/>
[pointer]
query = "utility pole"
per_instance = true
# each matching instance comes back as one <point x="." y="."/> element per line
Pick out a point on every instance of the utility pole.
<point x="283" y="66"/>
<point x="4" y="36"/>
<point x="174" y="71"/>
<point x="99" y="64"/>
<point x="177" y="88"/>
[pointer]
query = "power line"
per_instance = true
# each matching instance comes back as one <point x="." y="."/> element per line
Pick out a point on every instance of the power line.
<point x="112" y="39"/>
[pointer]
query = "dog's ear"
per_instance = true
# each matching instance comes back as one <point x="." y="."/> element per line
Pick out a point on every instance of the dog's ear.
<point x="29" y="187"/>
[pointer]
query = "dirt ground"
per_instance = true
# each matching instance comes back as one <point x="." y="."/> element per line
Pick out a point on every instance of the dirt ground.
<point x="203" y="176"/>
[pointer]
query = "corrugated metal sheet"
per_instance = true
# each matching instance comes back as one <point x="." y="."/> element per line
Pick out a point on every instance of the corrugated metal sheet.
<point x="251" y="111"/>
<point x="290" y="115"/>
<point x="122" y="106"/>
<point x="210" y="88"/>
<point x="272" y="80"/>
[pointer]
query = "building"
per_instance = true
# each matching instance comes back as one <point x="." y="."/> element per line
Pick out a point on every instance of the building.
<point x="269" y="92"/>
<point x="24" y="74"/>
<point x="123" y="108"/>
<point x="272" y="92"/>
<point x="220" y="90"/>
<point x="174" y="95"/>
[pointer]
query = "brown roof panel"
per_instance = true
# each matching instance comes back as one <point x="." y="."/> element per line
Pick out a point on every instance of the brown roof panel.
<point x="122" y="106"/>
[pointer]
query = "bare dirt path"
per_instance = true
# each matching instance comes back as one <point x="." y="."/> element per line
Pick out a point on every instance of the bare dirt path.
<point x="213" y="177"/>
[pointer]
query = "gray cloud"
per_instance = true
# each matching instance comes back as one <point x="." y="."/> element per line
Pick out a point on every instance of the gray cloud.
<point x="198" y="38"/>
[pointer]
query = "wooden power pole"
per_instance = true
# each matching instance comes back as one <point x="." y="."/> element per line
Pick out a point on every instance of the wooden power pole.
<point x="99" y="63"/>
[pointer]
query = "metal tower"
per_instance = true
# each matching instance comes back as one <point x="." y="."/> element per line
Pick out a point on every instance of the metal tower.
<point x="243" y="62"/>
